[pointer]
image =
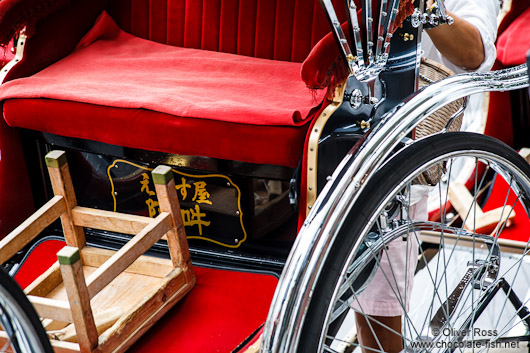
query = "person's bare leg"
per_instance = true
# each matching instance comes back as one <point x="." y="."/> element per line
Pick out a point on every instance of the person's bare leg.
<point x="389" y="341"/>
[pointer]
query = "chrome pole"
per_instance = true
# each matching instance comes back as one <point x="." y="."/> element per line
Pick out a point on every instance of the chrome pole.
<point x="338" y="33"/>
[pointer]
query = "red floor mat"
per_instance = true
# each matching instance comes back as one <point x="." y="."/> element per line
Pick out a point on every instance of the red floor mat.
<point x="216" y="316"/>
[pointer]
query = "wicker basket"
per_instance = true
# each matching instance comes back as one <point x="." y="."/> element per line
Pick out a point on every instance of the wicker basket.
<point x="430" y="72"/>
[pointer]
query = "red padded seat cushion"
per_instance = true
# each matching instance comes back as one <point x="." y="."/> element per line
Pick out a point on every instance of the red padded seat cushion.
<point x="149" y="130"/>
<point x="143" y="94"/>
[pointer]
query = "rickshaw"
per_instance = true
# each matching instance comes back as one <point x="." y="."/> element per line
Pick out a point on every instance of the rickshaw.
<point x="311" y="185"/>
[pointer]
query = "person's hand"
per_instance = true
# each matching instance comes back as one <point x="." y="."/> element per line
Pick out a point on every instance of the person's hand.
<point x="467" y="50"/>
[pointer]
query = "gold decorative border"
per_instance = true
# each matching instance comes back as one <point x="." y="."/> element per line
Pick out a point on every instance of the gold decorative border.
<point x="312" y="146"/>
<point x="189" y="176"/>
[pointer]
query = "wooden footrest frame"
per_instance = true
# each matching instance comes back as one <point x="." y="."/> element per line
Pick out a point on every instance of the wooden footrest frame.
<point x="95" y="300"/>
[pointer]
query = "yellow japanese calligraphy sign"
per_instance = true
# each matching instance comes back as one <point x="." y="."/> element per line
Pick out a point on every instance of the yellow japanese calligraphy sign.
<point x="205" y="209"/>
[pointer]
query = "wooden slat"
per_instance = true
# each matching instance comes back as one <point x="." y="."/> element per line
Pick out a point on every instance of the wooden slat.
<point x="144" y="265"/>
<point x="62" y="185"/>
<point x="123" y="258"/>
<point x="51" y="309"/>
<point x="31" y="227"/>
<point x="107" y="220"/>
<point x="64" y="347"/>
<point x="103" y="321"/>
<point x="168" y="201"/>
<point x="58" y="346"/>
<point x="46" y="282"/>
<point x="53" y="325"/>
<point x="463" y="201"/>
<point x="136" y="322"/>
<point x="75" y="286"/>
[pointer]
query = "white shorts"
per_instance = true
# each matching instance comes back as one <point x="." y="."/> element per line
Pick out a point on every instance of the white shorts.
<point x="395" y="275"/>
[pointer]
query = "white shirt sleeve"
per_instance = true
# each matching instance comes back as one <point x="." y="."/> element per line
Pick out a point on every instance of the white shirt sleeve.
<point x="483" y="15"/>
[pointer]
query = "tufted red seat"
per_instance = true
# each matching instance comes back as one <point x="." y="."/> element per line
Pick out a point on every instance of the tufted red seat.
<point x="265" y="122"/>
<point x="144" y="129"/>
<point x="196" y="103"/>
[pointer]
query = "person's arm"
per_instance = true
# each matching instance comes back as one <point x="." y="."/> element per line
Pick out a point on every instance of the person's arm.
<point x="460" y="42"/>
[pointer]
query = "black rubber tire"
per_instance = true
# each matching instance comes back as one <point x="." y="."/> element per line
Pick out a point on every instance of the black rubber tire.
<point x="383" y="182"/>
<point x="19" y="310"/>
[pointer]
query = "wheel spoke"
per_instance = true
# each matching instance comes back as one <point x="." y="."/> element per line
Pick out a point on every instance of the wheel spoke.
<point x="387" y="212"/>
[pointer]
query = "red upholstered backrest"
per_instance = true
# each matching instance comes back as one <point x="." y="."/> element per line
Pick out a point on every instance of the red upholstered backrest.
<point x="271" y="29"/>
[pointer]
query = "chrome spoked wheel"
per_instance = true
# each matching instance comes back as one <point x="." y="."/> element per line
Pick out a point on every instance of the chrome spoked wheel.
<point x="456" y="278"/>
<point x="20" y="328"/>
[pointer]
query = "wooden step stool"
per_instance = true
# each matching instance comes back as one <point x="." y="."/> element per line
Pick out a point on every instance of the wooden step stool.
<point x="124" y="293"/>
